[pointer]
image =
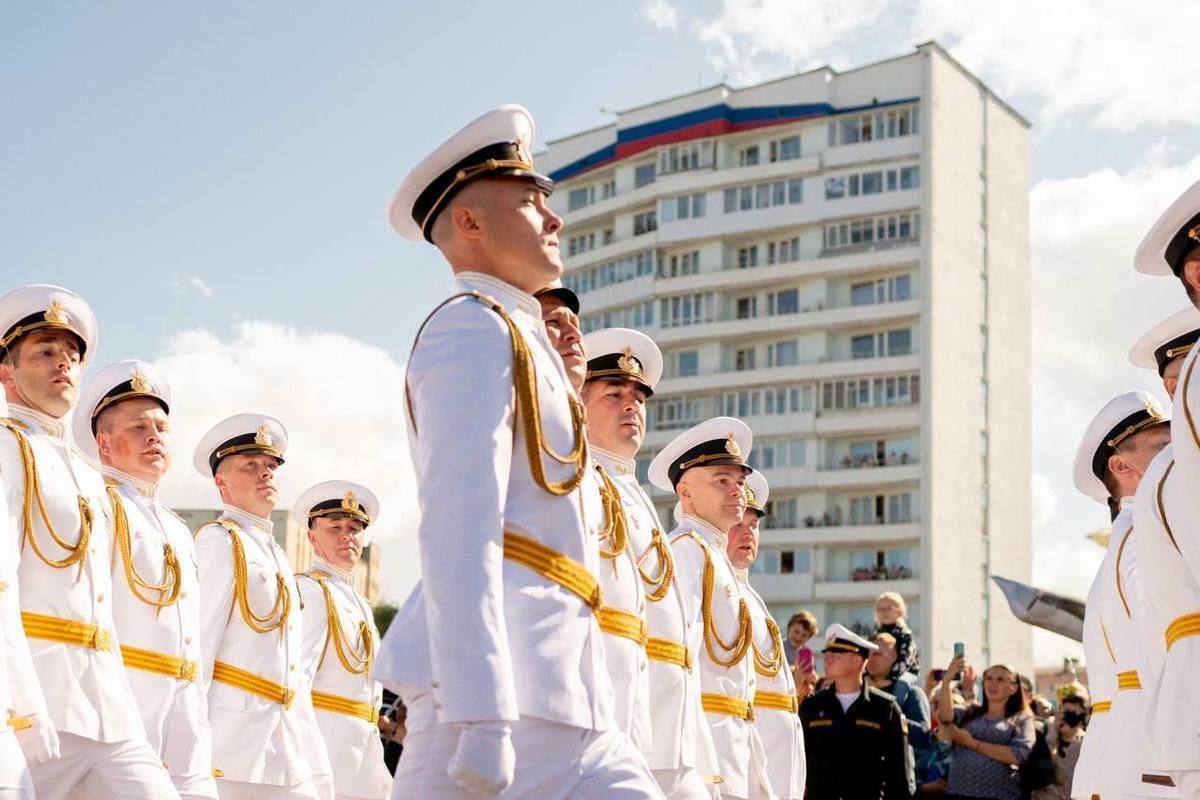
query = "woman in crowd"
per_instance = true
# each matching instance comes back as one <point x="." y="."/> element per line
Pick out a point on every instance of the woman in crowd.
<point x="991" y="739"/>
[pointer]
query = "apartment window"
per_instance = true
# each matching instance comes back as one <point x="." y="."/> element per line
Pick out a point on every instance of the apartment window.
<point x="608" y="189"/>
<point x="786" y="301"/>
<point x="893" y="227"/>
<point x="871" y="182"/>
<point x="640" y="315"/>
<point x="684" y="157"/>
<point x="688" y="309"/>
<point x="764" y="195"/>
<point x="873" y="126"/>
<point x="899" y="342"/>
<point x="578" y="198"/>
<point x="688" y="363"/>
<point x="783" y="354"/>
<point x="671" y="414"/>
<point x="748" y="156"/>
<point x="747" y="307"/>
<point x="910" y="177"/>
<point x="883" y="290"/>
<point x="747" y="257"/>
<point x="644" y="174"/>
<point x="785" y="514"/>
<point x="785" y="149"/>
<point x="681" y="264"/>
<point x="645" y="222"/>
<point x="862" y="346"/>
<point x="608" y="236"/>
<point x="744" y="359"/>
<point x="688" y="206"/>
<point x="581" y="243"/>
<point x="835" y="187"/>
<point x="896" y="390"/>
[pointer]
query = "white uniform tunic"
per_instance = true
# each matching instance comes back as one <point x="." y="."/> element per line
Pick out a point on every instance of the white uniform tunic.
<point x="1169" y="650"/>
<point x="174" y="710"/>
<point x="739" y="750"/>
<point x="781" y="733"/>
<point x="355" y="750"/>
<point x="21" y="699"/>
<point x="622" y="586"/>
<point x="255" y="740"/>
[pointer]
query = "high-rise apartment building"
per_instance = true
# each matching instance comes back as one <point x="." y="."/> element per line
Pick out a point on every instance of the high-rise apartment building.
<point x="841" y="259"/>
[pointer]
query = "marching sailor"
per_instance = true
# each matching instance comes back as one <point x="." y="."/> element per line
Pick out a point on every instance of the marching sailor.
<point x="122" y="423"/>
<point x="507" y="537"/>
<point x="1166" y="515"/>
<point x="266" y="743"/>
<point x="706" y="467"/>
<point x="64" y="529"/>
<point x="1116" y="449"/>
<point x="340" y="638"/>
<point x="775" y="700"/>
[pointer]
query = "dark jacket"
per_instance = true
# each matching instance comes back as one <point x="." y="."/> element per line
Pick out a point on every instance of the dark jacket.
<point x="858" y="754"/>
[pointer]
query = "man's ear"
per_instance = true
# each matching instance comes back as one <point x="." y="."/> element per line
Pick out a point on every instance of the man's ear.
<point x="465" y="221"/>
<point x="1191" y="277"/>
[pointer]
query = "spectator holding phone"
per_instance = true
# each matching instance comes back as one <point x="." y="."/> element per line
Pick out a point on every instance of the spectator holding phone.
<point x="802" y="627"/>
<point x="991" y="739"/>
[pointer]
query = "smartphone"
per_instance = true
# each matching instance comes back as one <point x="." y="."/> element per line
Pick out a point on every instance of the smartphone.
<point x="939" y="674"/>
<point x="959" y="650"/>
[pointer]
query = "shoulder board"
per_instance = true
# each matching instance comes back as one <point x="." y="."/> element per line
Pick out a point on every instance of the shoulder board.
<point x="108" y="481"/>
<point x="13" y="424"/>
<point x="314" y="574"/>
<point x="229" y="527"/>
<point x="691" y="535"/>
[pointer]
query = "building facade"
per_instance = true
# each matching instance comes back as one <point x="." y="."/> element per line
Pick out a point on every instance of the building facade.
<point x="841" y="259"/>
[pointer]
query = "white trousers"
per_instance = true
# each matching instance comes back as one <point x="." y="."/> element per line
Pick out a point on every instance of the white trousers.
<point x="554" y="762"/>
<point x="88" y="769"/>
<point x="683" y="784"/>
<point x="15" y="780"/>
<point x="241" y="790"/>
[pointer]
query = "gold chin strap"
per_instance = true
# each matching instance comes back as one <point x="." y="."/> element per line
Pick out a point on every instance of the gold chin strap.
<point x="355" y="660"/>
<point x="274" y="619"/>
<point x="658" y="585"/>
<point x="742" y="642"/>
<point x="769" y="666"/>
<point x="615" y="531"/>
<point x="76" y="553"/>
<point x="168" y="589"/>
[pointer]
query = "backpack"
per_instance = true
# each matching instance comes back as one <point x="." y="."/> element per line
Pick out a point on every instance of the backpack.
<point x="1038" y="770"/>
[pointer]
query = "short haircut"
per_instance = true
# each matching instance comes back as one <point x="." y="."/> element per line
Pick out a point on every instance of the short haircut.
<point x="884" y="639"/>
<point x="805" y="620"/>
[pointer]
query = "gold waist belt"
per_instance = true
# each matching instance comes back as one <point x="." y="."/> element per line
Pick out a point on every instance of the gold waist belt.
<point x="1128" y="680"/>
<point x="20" y="723"/>
<point x="254" y="684"/>
<point x="159" y="663"/>
<point x="1182" y="628"/>
<point x="344" y="705"/>
<point x="66" y="631"/>
<point x="724" y="704"/>
<point x="777" y="700"/>
<point x="625" y="624"/>
<point x="669" y="652"/>
<point x="554" y="566"/>
<point x="1101" y="706"/>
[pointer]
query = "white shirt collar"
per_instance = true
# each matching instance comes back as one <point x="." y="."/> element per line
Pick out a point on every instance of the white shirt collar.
<point x="613" y="464"/>
<point x="248" y="520"/>
<point x="1125" y="502"/>
<point x="512" y="298"/>
<point x="51" y="426"/>
<point x="324" y="566"/>
<point x="711" y="533"/>
<point x="142" y="487"/>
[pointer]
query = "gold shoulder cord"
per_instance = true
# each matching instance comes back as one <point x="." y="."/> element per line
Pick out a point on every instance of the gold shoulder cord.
<point x="661" y="582"/>
<point x="168" y="590"/>
<point x="76" y="553"/>
<point x="528" y="408"/>
<point x="283" y="598"/>
<point x="615" y="530"/>
<point x="352" y="661"/>
<point x="769" y="667"/>
<point x="712" y="639"/>
<point x="1162" y="511"/>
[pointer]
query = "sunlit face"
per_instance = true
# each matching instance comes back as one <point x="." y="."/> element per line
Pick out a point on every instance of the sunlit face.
<point x="880" y="662"/>
<point x="999" y="684"/>
<point x="43" y="372"/>
<point x="742" y="546"/>
<point x="715" y="493"/>
<point x="616" y="414"/>
<point x="247" y="481"/>
<point x="514" y="229"/>
<point x="134" y="437"/>
<point x="887" y="611"/>
<point x="798" y="635"/>
<point x="1170" y="375"/>
<point x="840" y="665"/>
<point x="562" y="328"/>
<point x="337" y="539"/>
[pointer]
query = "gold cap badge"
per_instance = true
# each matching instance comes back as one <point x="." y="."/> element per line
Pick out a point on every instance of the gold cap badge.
<point x="629" y="362"/>
<point x="141" y="383"/>
<point x="731" y="446"/>
<point x="750" y="498"/>
<point x="263" y="437"/>
<point x="56" y="313"/>
<point x="1194" y="234"/>
<point x="350" y="501"/>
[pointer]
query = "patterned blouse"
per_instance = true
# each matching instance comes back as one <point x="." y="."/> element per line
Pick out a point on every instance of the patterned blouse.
<point x="975" y="774"/>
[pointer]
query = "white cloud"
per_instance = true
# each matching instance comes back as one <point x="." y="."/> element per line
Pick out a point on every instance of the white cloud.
<point x="194" y="284"/>
<point x="1044" y="499"/>
<point x="1115" y="62"/>
<point x="341" y="400"/>
<point x="661" y="14"/>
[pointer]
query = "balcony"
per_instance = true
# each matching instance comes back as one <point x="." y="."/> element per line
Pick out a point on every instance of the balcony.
<point x="869" y="419"/>
<point x="736" y="379"/>
<point x="783" y="588"/>
<point x="866" y="152"/>
<point x="843" y="534"/>
<point x="863" y="590"/>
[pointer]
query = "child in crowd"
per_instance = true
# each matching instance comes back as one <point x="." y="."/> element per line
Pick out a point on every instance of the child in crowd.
<point x="890" y="613"/>
<point x="801" y="627"/>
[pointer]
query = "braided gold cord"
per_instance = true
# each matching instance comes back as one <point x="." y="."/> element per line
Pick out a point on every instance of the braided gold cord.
<point x="769" y="667"/>
<point x="741" y="643"/>
<point x="76" y="553"/>
<point x="666" y="567"/>
<point x="168" y="590"/>
<point x="615" y="528"/>
<point x="352" y="661"/>
<point x="274" y="619"/>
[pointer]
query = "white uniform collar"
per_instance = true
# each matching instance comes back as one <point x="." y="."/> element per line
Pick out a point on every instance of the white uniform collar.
<point x="324" y="566"/>
<point x="613" y="463"/>
<point x="742" y="575"/>
<point x="142" y="487"/>
<point x="512" y="298"/>
<point x="1125" y="502"/>
<point x="53" y="427"/>
<point x="248" y="520"/>
<point x="717" y="538"/>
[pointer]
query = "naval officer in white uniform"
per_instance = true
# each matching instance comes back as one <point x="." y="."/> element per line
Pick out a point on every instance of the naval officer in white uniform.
<point x="776" y="704"/>
<point x="505" y="679"/>
<point x="123" y="423"/>
<point x="1115" y="451"/>
<point x="340" y="637"/>
<point x="266" y="744"/>
<point x="64" y="527"/>
<point x="706" y="467"/>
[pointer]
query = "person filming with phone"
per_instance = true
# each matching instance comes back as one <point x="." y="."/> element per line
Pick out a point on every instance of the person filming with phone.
<point x="991" y="738"/>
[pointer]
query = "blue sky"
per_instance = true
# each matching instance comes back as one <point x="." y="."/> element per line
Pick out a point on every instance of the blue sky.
<point x="213" y="178"/>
